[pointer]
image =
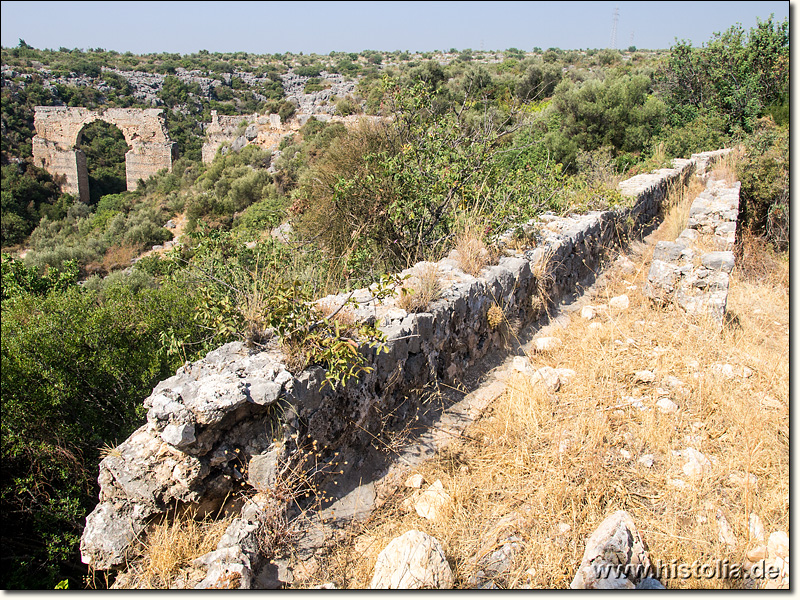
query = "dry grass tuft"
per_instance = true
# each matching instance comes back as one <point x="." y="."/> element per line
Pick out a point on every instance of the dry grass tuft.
<point x="555" y="464"/>
<point x="676" y="208"/>
<point x="171" y="547"/>
<point x="495" y="316"/>
<point x="424" y="288"/>
<point x="473" y="254"/>
<point x="725" y="168"/>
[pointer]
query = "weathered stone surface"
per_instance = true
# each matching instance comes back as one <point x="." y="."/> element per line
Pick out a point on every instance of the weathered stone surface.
<point x="718" y="261"/>
<point x="111" y="529"/>
<point x="433" y="503"/>
<point x="415" y="560"/>
<point x="203" y="425"/>
<point x="620" y="302"/>
<point x="613" y="545"/>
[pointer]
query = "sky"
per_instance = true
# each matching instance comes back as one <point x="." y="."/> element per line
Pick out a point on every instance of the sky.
<point x="322" y="27"/>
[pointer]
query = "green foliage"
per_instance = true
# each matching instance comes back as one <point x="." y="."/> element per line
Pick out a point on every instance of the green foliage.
<point x="105" y="148"/>
<point x="20" y="280"/>
<point x="618" y="112"/>
<point x="764" y="174"/>
<point x="230" y="184"/>
<point x="394" y="190"/>
<point x="736" y="75"/>
<point x="705" y="132"/>
<point x="76" y="364"/>
<point x="309" y="70"/>
<point x="28" y="194"/>
<point x="539" y="82"/>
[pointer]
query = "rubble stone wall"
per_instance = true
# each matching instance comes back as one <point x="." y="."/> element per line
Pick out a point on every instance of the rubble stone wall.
<point x="238" y="419"/>
<point x="693" y="272"/>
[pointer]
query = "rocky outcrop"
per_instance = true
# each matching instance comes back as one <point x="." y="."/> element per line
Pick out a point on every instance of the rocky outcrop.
<point x="266" y="131"/>
<point x="204" y="425"/>
<point x="238" y="420"/>
<point x="693" y="271"/>
<point x="316" y="103"/>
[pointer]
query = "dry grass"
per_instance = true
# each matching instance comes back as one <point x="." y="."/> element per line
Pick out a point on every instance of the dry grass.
<point x="675" y="208"/>
<point x="421" y="290"/>
<point x="725" y="167"/>
<point x="563" y="461"/>
<point x="473" y="254"/>
<point x="119" y="257"/>
<point x="171" y="547"/>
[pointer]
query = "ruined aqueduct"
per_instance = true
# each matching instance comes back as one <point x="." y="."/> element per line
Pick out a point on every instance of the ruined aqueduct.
<point x="58" y="132"/>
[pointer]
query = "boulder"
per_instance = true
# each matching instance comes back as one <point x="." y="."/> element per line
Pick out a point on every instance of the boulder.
<point x="415" y="560"/>
<point x="613" y="554"/>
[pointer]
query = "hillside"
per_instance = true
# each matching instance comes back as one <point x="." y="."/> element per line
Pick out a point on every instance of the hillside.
<point x="298" y="177"/>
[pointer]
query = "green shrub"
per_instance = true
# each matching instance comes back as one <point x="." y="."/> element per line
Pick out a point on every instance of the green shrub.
<point x="764" y="175"/>
<point x="76" y="365"/>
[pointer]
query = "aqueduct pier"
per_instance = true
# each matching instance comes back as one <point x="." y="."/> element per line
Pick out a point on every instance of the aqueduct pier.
<point x="58" y="131"/>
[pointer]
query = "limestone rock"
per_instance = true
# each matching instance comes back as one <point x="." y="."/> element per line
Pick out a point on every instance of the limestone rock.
<point x="613" y="545"/>
<point x="547" y="344"/>
<point x="415" y="481"/>
<point x="666" y="405"/>
<point x="588" y="312"/>
<point x="778" y="544"/>
<point x="433" y="503"/>
<point x="718" y="261"/>
<point x="644" y="376"/>
<point x="415" y="560"/>
<point x="110" y="531"/>
<point x="620" y="302"/>
<point x="548" y="377"/>
<point x="647" y="460"/>
<point x="697" y="463"/>
<point x="756" y="527"/>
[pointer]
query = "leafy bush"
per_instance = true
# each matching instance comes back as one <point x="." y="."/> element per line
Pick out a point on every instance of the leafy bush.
<point x="28" y="194"/>
<point x="736" y="75"/>
<point x="618" y="112"/>
<point x="764" y="174"/>
<point x="76" y="365"/>
<point x="706" y="132"/>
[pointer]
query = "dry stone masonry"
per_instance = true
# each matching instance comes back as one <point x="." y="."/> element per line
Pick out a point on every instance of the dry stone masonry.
<point x="694" y="270"/>
<point x="58" y="131"/>
<point x="238" y="420"/>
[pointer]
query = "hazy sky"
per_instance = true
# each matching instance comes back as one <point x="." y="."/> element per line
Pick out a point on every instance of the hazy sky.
<point x="322" y="27"/>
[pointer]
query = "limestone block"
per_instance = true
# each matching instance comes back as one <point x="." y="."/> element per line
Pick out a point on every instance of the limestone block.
<point x="415" y="560"/>
<point x="614" y="544"/>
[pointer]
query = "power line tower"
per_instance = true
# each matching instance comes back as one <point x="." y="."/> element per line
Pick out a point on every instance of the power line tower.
<point x="614" y="29"/>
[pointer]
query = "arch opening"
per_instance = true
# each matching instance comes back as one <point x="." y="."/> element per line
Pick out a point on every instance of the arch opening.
<point x="104" y="148"/>
<point x="59" y="129"/>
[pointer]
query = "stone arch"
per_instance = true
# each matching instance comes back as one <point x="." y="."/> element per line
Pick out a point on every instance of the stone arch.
<point x="58" y="130"/>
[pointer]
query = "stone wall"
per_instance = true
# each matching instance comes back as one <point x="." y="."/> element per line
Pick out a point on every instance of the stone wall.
<point x="58" y="131"/>
<point x="693" y="271"/>
<point x="238" y="419"/>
